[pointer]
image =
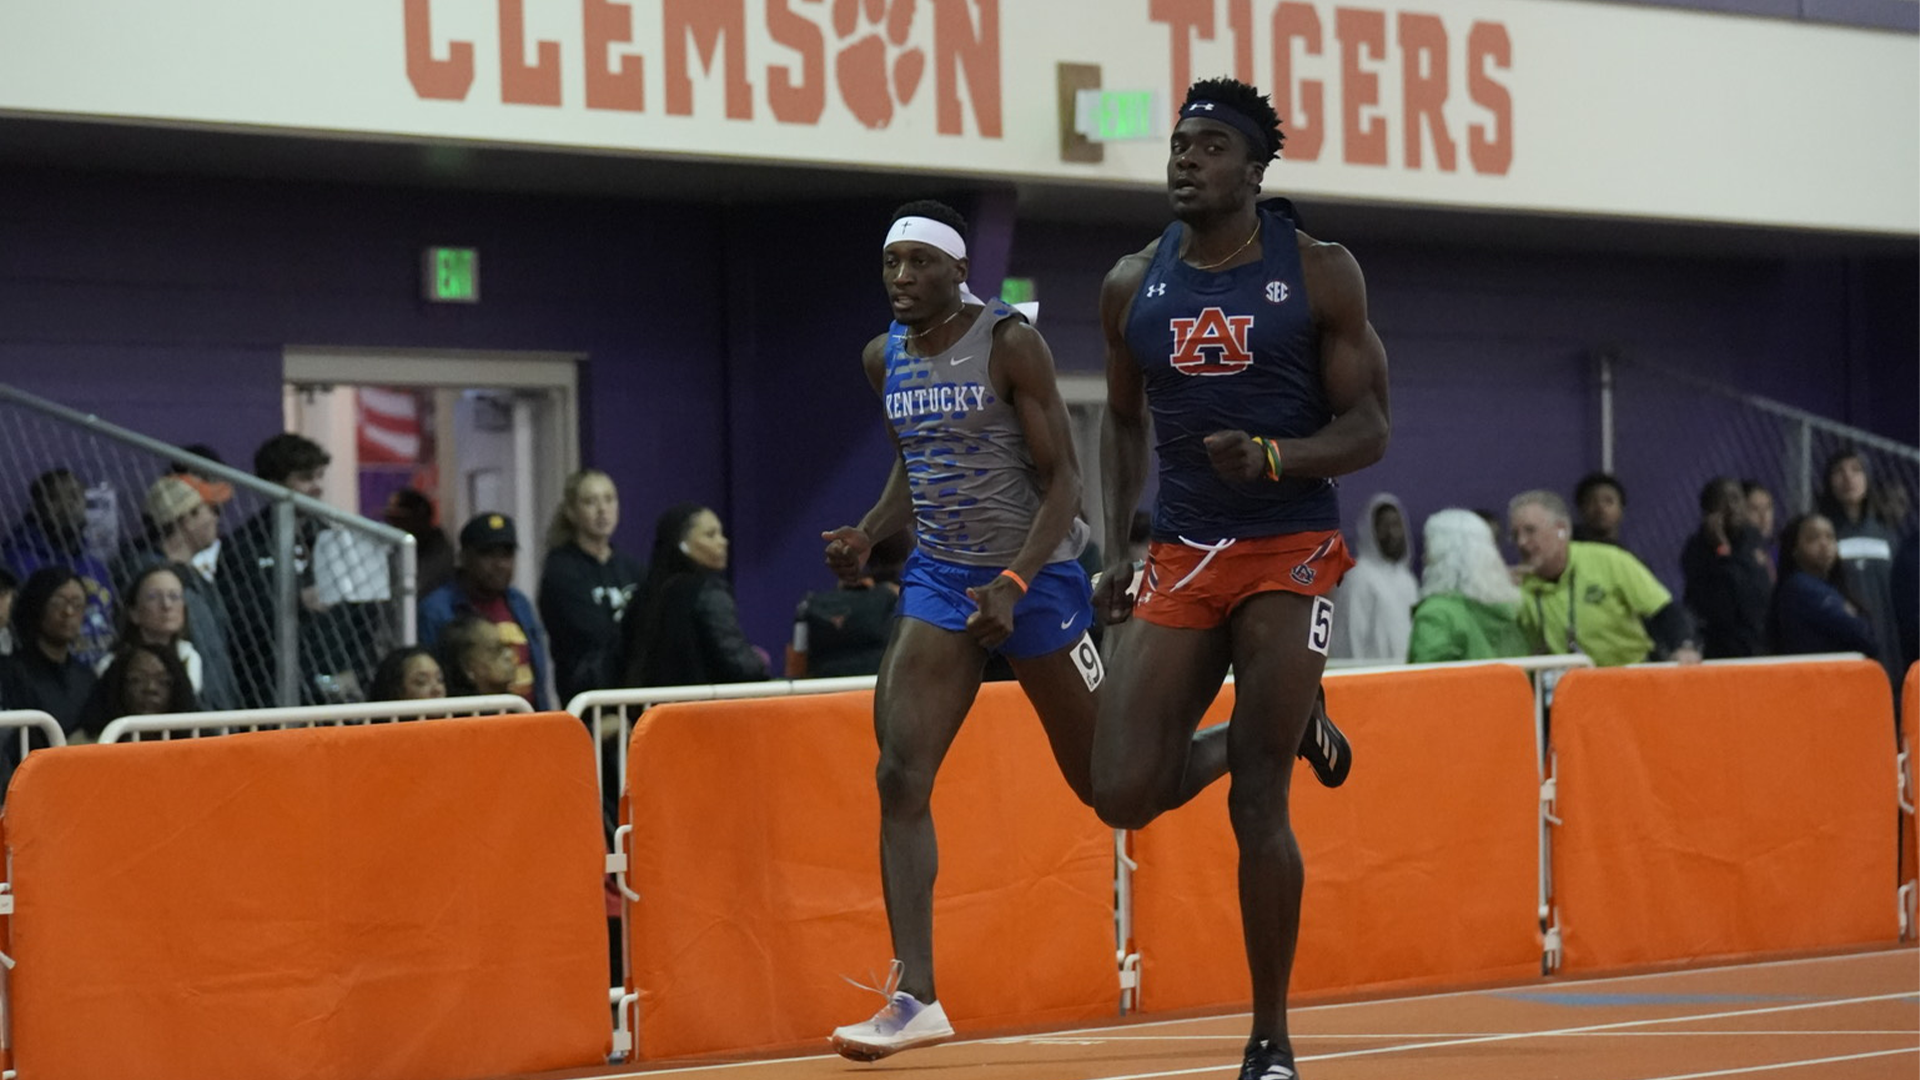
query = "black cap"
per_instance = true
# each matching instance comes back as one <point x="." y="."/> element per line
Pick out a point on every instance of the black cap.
<point x="489" y="530"/>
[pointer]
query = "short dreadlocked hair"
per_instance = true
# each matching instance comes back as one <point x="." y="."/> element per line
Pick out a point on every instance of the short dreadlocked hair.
<point x="1249" y="102"/>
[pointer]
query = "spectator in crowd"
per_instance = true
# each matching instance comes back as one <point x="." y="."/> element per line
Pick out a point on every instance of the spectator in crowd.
<point x="410" y="511"/>
<point x="1602" y="503"/>
<point x="483" y="585"/>
<point x="9" y="588"/>
<point x="185" y="512"/>
<point x="474" y="657"/>
<point x="153" y="611"/>
<point x="586" y="584"/>
<point x="1762" y="514"/>
<point x="1813" y="608"/>
<point x="54" y="533"/>
<point x="843" y="631"/>
<point x="138" y="679"/>
<point x="1373" y="606"/>
<point x="206" y="561"/>
<point x="1592" y="598"/>
<point x="682" y="627"/>
<point x="249" y="562"/>
<point x="1865" y="523"/>
<point x="409" y="673"/>
<point x="46" y="671"/>
<point x="1469" y="605"/>
<point x="1724" y="564"/>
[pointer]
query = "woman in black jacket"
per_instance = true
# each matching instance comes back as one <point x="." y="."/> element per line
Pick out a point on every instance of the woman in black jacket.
<point x="682" y="628"/>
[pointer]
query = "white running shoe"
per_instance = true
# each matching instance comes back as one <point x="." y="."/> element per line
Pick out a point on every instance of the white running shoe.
<point x="903" y="1023"/>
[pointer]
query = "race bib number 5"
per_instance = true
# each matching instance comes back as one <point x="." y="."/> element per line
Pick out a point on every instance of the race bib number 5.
<point x="1320" y="629"/>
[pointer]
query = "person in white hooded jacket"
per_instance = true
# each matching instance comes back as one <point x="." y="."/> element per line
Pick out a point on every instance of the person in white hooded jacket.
<point x="1373" y="609"/>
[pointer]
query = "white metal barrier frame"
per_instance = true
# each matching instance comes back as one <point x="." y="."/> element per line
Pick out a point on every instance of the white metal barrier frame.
<point x="229" y="721"/>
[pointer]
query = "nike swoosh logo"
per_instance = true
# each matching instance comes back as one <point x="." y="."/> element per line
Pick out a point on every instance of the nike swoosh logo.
<point x="1070" y="620"/>
<point x="961" y="360"/>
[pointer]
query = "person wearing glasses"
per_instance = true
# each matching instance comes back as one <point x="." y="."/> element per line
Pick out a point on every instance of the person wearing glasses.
<point x="46" y="671"/>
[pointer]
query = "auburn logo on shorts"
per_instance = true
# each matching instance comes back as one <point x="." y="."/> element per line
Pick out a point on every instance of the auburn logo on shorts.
<point x="1303" y="574"/>
<point x="1215" y="343"/>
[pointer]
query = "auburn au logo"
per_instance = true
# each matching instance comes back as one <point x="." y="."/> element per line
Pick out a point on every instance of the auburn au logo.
<point x="1213" y="344"/>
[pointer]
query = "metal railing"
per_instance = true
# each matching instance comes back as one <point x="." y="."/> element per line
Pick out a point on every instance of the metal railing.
<point x="1645" y="407"/>
<point x="294" y="603"/>
<point x="230" y="721"/>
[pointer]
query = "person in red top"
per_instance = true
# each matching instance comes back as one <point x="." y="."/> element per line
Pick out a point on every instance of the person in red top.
<point x="483" y="585"/>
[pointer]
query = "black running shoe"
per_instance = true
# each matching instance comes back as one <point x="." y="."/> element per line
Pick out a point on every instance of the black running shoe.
<point x="1325" y="747"/>
<point x="1265" y="1061"/>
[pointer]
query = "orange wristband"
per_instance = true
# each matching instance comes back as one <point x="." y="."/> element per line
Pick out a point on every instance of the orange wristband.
<point x="1017" y="580"/>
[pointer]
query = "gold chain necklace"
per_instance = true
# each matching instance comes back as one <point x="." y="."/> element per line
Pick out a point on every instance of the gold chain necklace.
<point x="912" y="334"/>
<point x="1234" y="252"/>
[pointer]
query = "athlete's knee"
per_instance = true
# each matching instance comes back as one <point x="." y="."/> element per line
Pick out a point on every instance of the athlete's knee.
<point x="1257" y="804"/>
<point x="1125" y="802"/>
<point x="905" y="786"/>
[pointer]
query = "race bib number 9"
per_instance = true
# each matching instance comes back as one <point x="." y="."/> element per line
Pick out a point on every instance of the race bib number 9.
<point x="1086" y="660"/>
<point x="1320" y="630"/>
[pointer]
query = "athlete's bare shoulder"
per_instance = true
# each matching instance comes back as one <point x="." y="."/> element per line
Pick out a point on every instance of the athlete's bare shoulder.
<point x="1128" y="272"/>
<point x="1122" y="282"/>
<point x="1331" y="274"/>
<point x="874" y="359"/>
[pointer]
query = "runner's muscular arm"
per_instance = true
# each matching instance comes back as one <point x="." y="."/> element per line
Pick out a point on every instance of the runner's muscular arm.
<point x="1353" y="369"/>
<point x="1123" y="432"/>
<point x="848" y="545"/>
<point x="1021" y="367"/>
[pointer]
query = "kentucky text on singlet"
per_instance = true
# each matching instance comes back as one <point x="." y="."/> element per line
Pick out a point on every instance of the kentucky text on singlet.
<point x="975" y="493"/>
<point x="1222" y="351"/>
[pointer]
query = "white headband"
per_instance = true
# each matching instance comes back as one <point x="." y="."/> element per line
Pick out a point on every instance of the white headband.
<point x="946" y="238"/>
<point x="927" y="231"/>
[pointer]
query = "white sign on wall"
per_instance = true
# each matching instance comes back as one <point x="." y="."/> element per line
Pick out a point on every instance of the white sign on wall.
<point x="1544" y="105"/>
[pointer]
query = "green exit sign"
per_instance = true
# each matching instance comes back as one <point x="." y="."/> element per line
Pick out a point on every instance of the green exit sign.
<point x="451" y="275"/>
<point x="1116" y="115"/>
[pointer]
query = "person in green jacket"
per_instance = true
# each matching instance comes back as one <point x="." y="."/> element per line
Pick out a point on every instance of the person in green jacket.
<point x="1469" y="605"/>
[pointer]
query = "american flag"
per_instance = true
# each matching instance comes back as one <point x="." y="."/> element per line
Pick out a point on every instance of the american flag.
<point x="390" y="426"/>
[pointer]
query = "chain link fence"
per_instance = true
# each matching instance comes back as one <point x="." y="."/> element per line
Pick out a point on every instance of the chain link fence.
<point x="281" y="599"/>
<point x="1665" y="433"/>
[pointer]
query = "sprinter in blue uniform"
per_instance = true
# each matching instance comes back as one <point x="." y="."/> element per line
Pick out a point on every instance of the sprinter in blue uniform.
<point x="1249" y="341"/>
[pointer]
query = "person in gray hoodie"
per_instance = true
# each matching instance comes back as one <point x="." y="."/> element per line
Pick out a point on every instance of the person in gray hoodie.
<point x="1373" y="611"/>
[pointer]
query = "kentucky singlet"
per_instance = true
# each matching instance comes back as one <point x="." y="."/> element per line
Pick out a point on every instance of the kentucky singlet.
<point x="974" y="489"/>
<point x="1236" y="349"/>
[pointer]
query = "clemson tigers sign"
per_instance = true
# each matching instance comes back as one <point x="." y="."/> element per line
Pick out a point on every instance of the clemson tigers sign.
<point x="878" y="64"/>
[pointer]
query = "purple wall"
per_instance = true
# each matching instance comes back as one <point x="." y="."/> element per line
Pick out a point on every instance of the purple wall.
<point x="724" y="342"/>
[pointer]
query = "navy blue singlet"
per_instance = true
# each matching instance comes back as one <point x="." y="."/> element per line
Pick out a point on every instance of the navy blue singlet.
<point x="1218" y="351"/>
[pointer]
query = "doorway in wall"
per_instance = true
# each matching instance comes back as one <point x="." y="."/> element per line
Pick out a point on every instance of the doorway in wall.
<point x="474" y="432"/>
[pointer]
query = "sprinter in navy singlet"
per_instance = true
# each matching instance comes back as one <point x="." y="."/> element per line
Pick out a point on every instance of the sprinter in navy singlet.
<point x="1249" y="342"/>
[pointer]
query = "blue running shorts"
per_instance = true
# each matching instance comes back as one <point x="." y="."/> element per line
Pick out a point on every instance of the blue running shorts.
<point x="1056" y="611"/>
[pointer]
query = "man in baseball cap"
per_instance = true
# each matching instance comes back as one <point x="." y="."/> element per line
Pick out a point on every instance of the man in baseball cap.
<point x="483" y="585"/>
<point x="185" y="511"/>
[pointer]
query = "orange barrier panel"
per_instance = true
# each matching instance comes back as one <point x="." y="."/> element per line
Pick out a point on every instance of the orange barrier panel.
<point x="417" y="901"/>
<point x="755" y="852"/>
<point x="1421" y="870"/>
<point x="1720" y="811"/>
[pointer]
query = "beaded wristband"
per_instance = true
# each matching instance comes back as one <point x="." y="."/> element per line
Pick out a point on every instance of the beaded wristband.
<point x="1272" y="452"/>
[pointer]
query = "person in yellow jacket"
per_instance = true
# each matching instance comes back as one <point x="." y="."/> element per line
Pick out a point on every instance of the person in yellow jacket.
<point x="1591" y="598"/>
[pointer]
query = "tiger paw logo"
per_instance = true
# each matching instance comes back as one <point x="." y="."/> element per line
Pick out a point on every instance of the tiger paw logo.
<point x="876" y="70"/>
